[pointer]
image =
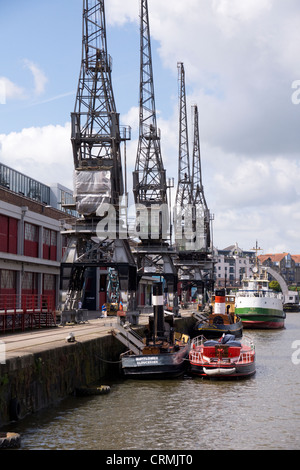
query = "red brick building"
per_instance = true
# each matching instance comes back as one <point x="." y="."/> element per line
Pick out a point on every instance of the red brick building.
<point x="31" y="245"/>
<point x="287" y="265"/>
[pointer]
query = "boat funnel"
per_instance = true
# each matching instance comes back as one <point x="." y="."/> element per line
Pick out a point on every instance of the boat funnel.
<point x="220" y="301"/>
<point x="158" y="308"/>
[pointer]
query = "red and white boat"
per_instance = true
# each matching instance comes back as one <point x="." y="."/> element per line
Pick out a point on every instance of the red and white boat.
<point x="223" y="358"/>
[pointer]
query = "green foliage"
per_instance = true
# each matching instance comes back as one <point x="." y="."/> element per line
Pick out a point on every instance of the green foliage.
<point x="274" y="285"/>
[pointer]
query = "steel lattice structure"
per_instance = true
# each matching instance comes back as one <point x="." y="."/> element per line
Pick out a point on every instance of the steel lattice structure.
<point x="149" y="177"/>
<point x="96" y="139"/>
<point x="191" y="215"/>
<point x="199" y="201"/>
<point x="153" y="254"/>
<point x="184" y="186"/>
<point x="96" y="134"/>
<point x="183" y="210"/>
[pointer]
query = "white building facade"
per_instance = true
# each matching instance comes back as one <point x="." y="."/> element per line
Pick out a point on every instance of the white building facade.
<point x="231" y="265"/>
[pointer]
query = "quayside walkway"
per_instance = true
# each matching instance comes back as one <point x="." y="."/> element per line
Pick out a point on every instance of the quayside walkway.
<point x="34" y="341"/>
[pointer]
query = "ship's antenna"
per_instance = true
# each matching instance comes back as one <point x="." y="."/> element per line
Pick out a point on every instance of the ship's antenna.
<point x="256" y="249"/>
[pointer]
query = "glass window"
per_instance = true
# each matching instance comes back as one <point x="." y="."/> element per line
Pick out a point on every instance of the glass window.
<point x="31" y="232"/>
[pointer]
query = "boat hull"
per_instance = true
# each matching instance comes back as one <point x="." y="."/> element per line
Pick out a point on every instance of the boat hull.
<point x="156" y="366"/>
<point x="261" y="318"/>
<point x="225" y="358"/>
<point x="222" y="370"/>
<point x="260" y="312"/>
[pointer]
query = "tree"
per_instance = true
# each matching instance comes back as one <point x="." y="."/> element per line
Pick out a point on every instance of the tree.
<point x="274" y="285"/>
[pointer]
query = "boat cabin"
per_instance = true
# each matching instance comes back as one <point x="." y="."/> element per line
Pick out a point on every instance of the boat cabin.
<point x="229" y="303"/>
<point x="222" y="309"/>
<point x="221" y="350"/>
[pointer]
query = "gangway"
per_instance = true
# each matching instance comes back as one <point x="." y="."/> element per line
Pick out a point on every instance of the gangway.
<point x="128" y="337"/>
<point x="200" y="316"/>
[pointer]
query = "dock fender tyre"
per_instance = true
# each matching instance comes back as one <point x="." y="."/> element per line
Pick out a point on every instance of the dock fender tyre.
<point x="218" y="320"/>
<point x="10" y="440"/>
<point x="15" y="409"/>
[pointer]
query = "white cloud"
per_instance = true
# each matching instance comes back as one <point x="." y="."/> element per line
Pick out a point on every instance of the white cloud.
<point x="39" y="77"/>
<point x="232" y="12"/>
<point x="10" y="91"/>
<point x="119" y="12"/>
<point x="44" y="153"/>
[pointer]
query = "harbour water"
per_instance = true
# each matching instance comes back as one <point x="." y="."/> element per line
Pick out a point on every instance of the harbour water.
<point x="259" y="413"/>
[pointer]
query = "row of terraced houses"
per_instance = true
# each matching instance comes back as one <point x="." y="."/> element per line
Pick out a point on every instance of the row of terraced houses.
<point x="233" y="263"/>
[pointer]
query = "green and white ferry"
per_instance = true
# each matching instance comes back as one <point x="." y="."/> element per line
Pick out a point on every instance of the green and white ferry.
<point x="256" y="304"/>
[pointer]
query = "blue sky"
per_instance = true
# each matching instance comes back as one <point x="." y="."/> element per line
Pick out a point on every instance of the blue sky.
<point x="241" y="59"/>
<point x="43" y="33"/>
<point x="48" y="34"/>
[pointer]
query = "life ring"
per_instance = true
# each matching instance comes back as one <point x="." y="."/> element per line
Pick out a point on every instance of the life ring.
<point x="15" y="409"/>
<point x="10" y="440"/>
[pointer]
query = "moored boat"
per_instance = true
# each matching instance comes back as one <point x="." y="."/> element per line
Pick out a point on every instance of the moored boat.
<point x="163" y="353"/>
<point x="225" y="358"/>
<point x="256" y="304"/>
<point x="222" y="319"/>
<point x="159" y="360"/>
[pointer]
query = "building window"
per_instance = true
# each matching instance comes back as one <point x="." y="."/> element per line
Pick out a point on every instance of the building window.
<point x="8" y="234"/>
<point x="49" y="244"/>
<point x="29" y="283"/>
<point x="7" y="281"/>
<point x="49" y="290"/>
<point x="31" y="240"/>
<point x="49" y="283"/>
<point x="8" y="288"/>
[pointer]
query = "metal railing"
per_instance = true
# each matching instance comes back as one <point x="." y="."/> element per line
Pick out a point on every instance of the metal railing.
<point x="246" y="355"/>
<point x="26" y="311"/>
<point x="13" y="303"/>
<point x="249" y="293"/>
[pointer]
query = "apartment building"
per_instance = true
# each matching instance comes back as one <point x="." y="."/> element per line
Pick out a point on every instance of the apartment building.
<point x="287" y="265"/>
<point x="231" y="265"/>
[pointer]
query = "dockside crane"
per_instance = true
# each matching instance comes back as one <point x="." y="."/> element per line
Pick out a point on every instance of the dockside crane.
<point x="149" y="178"/>
<point x="191" y="214"/>
<point x="203" y="219"/>
<point x="183" y="202"/>
<point x="99" y="238"/>
<point x="202" y="213"/>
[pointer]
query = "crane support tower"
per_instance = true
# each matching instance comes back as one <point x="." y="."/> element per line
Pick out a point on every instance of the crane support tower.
<point x="153" y="253"/>
<point x="202" y="213"/>
<point x="183" y="216"/>
<point x="99" y="238"/>
<point x="191" y="214"/>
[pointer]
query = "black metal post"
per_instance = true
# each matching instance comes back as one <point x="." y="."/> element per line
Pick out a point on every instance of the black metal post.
<point x="158" y="308"/>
